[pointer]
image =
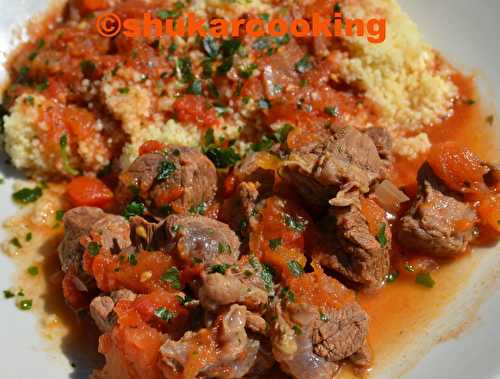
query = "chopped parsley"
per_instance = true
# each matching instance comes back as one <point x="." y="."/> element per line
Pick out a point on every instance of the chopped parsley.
<point x="132" y="259"/>
<point x="195" y="88"/>
<point x="275" y="243"/>
<point x="267" y="276"/>
<point x="282" y="133"/>
<point x="199" y="209"/>
<point x="261" y="43"/>
<point x="166" y="210"/>
<point x="225" y="66"/>
<point x="265" y="144"/>
<point x="29" y="236"/>
<point x="470" y="102"/>
<point x="184" y="300"/>
<point x="124" y="90"/>
<point x="323" y="317"/>
<point x="25" y="305"/>
<point x="63" y="145"/>
<point x="220" y="268"/>
<point x="264" y="104"/>
<point x="287" y="294"/>
<point x="27" y="195"/>
<point x="392" y="276"/>
<point x="42" y="86"/>
<point x="134" y="208"/>
<point x="332" y="111"/>
<point x="230" y="46"/>
<point x="172" y="276"/>
<point x="381" y="236"/>
<point x="297" y="330"/>
<point x="33" y="270"/>
<point x="183" y="69"/>
<point x="222" y="157"/>
<point x="295" y="223"/>
<point x="295" y="268"/>
<point x="93" y="248"/>
<point x="210" y="47"/>
<point x="59" y="215"/>
<point x="223" y="248"/>
<point x="303" y="65"/>
<point x="166" y="169"/>
<point x="8" y="294"/>
<point x="87" y="67"/>
<point x="246" y="71"/>
<point x="164" y="314"/>
<point x="15" y="242"/>
<point x="425" y="279"/>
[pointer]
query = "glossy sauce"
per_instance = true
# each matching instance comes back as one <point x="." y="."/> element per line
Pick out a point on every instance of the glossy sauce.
<point x="402" y="311"/>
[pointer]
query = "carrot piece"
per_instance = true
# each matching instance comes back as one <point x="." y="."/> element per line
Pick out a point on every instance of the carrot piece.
<point x="374" y="215"/>
<point x="458" y="167"/>
<point x="89" y="191"/>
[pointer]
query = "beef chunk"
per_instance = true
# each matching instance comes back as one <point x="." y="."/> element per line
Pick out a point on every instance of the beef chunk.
<point x="241" y="283"/>
<point x="310" y="341"/>
<point x="341" y="334"/>
<point x="438" y="223"/>
<point x="230" y="352"/>
<point x="383" y="142"/>
<point x="80" y="222"/>
<point x="101" y="308"/>
<point x="353" y="250"/>
<point x="346" y="161"/>
<point x="181" y="178"/>
<point x="202" y="240"/>
<point x="257" y="167"/>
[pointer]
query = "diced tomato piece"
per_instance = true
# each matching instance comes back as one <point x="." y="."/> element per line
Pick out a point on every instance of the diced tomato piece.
<point x="79" y="121"/>
<point x="197" y="110"/>
<point x="74" y="297"/>
<point x="374" y="215"/>
<point x="87" y="6"/>
<point x="489" y="211"/>
<point x="230" y="185"/>
<point x="458" y="167"/>
<point x="168" y="196"/>
<point x="319" y="289"/>
<point x="89" y="191"/>
<point x="151" y="147"/>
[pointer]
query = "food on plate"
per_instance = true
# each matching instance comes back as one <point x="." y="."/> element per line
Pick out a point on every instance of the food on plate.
<point x="223" y="206"/>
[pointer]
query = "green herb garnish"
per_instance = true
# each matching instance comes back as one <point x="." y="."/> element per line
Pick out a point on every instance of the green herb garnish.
<point x="296" y="268"/>
<point x="63" y="144"/>
<point x="93" y="248"/>
<point x="275" y="243"/>
<point x="134" y="208"/>
<point x="33" y="270"/>
<point x="164" y="314"/>
<point x="425" y="279"/>
<point x="172" y="276"/>
<point x="27" y="195"/>
<point x="166" y="169"/>
<point x="381" y="236"/>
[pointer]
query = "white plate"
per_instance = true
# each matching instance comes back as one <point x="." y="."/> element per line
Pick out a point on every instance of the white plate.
<point x="466" y="32"/>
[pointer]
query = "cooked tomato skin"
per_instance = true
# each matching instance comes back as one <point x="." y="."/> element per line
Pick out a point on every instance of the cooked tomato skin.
<point x="151" y="146"/>
<point x="89" y="191"/>
<point x="457" y="166"/>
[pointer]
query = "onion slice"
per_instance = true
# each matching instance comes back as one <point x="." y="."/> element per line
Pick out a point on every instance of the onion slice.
<point x="390" y="197"/>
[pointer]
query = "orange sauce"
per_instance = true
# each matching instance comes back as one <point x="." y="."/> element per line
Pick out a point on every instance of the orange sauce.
<point x="404" y="310"/>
